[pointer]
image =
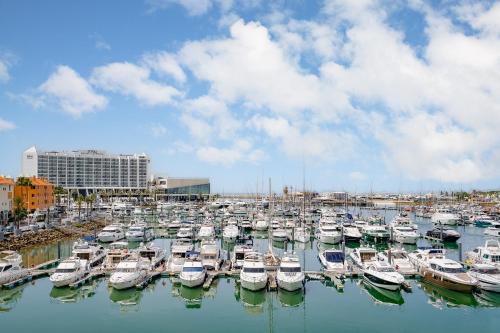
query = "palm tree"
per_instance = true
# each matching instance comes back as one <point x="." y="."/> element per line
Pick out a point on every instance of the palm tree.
<point x="79" y="200"/>
<point x="19" y="210"/>
<point x="58" y="191"/>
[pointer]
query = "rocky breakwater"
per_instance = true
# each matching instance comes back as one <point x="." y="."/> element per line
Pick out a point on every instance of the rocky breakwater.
<point x="55" y="234"/>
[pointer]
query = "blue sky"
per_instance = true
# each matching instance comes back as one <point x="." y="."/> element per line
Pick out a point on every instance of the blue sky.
<point x="382" y="95"/>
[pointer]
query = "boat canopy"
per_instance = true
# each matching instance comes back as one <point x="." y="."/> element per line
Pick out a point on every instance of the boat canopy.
<point x="334" y="256"/>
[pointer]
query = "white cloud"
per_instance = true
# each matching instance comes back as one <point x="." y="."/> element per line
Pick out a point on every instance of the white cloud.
<point x="133" y="80"/>
<point x="165" y="63"/>
<point x="4" y="71"/>
<point x="6" y="125"/>
<point x="72" y="92"/>
<point x="158" y="130"/>
<point x="193" y="7"/>
<point x="241" y="150"/>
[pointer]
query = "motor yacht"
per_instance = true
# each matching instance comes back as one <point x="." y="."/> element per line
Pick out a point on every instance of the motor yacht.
<point x="444" y="218"/>
<point x="155" y="254"/>
<point x="206" y="231"/>
<point x="383" y="275"/>
<point x="351" y="233"/>
<point x="376" y="233"/>
<point x="230" y="233"/>
<point x="185" y="232"/>
<point x="253" y="275"/>
<point x="139" y="233"/>
<point x="193" y="272"/>
<point x="129" y="272"/>
<point x="329" y="233"/>
<point x="69" y="271"/>
<point x="448" y="274"/>
<point x="117" y="252"/>
<point x="487" y="254"/>
<point x="487" y="276"/>
<point x="93" y="253"/>
<point x="445" y="234"/>
<point x="11" y="267"/>
<point x="290" y="276"/>
<point x="402" y="220"/>
<point x="111" y="233"/>
<point x="405" y="235"/>
<point x="493" y="229"/>
<point x="178" y="251"/>
<point x="398" y="259"/>
<point x="420" y="258"/>
<point x="261" y="225"/>
<point x="333" y="260"/>
<point x="239" y="252"/>
<point x="209" y="254"/>
<point x="363" y="256"/>
<point x="279" y="234"/>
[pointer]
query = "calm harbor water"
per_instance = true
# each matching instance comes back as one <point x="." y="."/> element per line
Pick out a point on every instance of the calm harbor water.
<point x="165" y="306"/>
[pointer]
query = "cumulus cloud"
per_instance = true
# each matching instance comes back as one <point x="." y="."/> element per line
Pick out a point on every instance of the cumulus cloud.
<point x="165" y="63"/>
<point x="72" y="93"/>
<point x="133" y="80"/>
<point x="6" y="125"/>
<point x="241" y="150"/>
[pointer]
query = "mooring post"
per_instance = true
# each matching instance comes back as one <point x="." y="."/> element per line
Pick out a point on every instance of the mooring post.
<point x="59" y="250"/>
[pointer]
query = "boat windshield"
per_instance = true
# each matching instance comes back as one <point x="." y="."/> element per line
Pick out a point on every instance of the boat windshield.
<point x="5" y="268"/>
<point x="450" y="269"/>
<point x="253" y="269"/>
<point x="125" y="270"/>
<point x="334" y="256"/>
<point x="65" y="270"/>
<point x="290" y="269"/>
<point x="192" y="269"/>
<point x="487" y="270"/>
<point x="386" y="269"/>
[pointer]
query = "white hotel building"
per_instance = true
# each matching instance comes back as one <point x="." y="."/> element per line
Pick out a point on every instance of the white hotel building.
<point x="87" y="170"/>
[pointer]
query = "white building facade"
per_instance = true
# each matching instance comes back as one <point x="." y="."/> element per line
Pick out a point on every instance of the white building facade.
<point x="88" y="170"/>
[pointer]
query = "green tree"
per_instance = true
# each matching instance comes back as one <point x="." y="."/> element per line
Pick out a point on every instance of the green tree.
<point x="58" y="192"/>
<point x="79" y="201"/>
<point x="20" y="211"/>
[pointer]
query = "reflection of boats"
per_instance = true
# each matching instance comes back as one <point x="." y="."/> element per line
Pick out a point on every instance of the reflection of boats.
<point x="439" y="296"/>
<point x="191" y="296"/>
<point x="70" y="295"/>
<point x="253" y="298"/>
<point x="383" y="295"/>
<point x="8" y="297"/>
<point x="487" y="298"/>
<point x="291" y="298"/>
<point x="126" y="297"/>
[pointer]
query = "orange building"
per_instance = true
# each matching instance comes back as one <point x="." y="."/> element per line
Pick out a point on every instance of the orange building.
<point x="6" y="198"/>
<point x="36" y="193"/>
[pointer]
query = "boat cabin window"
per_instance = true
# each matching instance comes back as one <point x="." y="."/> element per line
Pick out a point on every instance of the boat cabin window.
<point x="125" y="270"/>
<point x="451" y="269"/>
<point x="5" y="268"/>
<point x="84" y="256"/>
<point x="240" y="255"/>
<point x="148" y="254"/>
<point x="486" y="256"/>
<point x="334" y="257"/>
<point x="290" y="269"/>
<point x="495" y="258"/>
<point x="253" y="269"/>
<point x="192" y="269"/>
<point x="367" y="256"/>
<point x="65" y="270"/>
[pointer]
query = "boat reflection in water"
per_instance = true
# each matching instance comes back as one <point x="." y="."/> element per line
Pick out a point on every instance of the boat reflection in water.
<point x="440" y="297"/>
<point x="487" y="298"/>
<point x="9" y="297"/>
<point x="191" y="296"/>
<point x="291" y="298"/>
<point x="68" y="295"/>
<point x="128" y="299"/>
<point x="253" y="301"/>
<point x="383" y="296"/>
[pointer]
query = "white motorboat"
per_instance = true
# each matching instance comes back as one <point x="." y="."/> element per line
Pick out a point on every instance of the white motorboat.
<point x="364" y="256"/>
<point x="488" y="277"/>
<point x="301" y="234"/>
<point x="493" y="229"/>
<point x="333" y="260"/>
<point x="193" y="273"/>
<point x="206" y="231"/>
<point x="129" y="272"/>
<point x="155" y="254"/>
<point x="139" y="233"/>
<point x="279" y="235"/>
<point x="420" y="258"/>
<point x="253" y="275"/>
<point x="405" y="235"/>
<point x="402" y="220"/>
<point x="444" y="218"/>
<point x="383" y="275"/>
<point x="329" y="233"/>
<point x="351" y="233"/>
<point x="11" y="267"/>
<point x="290" y="276"/>
<point x="93" y="253"/>
<point x="398" y="259"/>
<point x="238" y="255"/>
<point x="261" y="225"/>
<point x="111" y="233"/>
<point x="117" y="252"/>
<point x="185" y="232"/>
<point x="178" y="250"/>
<point x="209" y="254"/>
<point x="230" y="233"/>
<point x="487" y="254"/>
<point x="69" y="271"/>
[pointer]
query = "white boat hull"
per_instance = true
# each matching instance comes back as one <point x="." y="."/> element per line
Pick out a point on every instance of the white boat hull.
<point x="289" y="284"/>
<point x="192" y="281"/>
<point x="253" y="284"/>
